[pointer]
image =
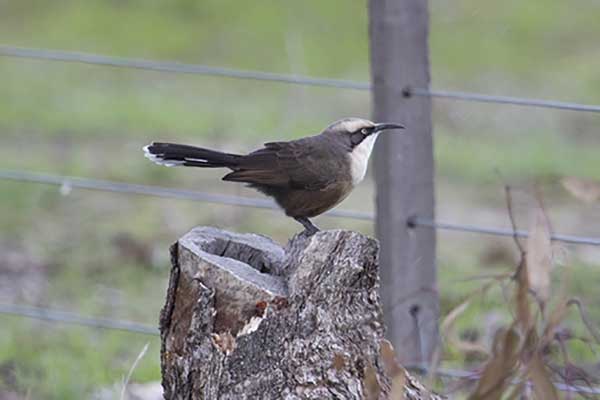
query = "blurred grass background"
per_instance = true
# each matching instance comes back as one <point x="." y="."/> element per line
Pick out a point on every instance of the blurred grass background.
<point x="106" y="254"/>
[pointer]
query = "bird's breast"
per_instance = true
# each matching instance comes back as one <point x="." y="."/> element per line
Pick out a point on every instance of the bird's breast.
<point x="359" y="158"/>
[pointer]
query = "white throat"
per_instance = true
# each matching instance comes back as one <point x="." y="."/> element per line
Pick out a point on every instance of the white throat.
<point x="359" y="158"/>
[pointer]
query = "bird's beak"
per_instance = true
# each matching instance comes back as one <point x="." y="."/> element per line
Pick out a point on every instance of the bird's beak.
<point x="385" y="126"/>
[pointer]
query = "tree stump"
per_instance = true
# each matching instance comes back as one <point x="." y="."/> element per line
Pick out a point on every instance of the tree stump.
<point x="247" y="319"/>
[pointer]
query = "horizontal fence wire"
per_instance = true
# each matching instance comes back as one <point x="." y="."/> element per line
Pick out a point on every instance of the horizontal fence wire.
<point x="425" y="222"/>
<point x="178" y="67"/>
<point x="474" y="376"/>
<point x="68" y="182"/>
<point x="51" y="315"/>
<point x="486" y="98"/>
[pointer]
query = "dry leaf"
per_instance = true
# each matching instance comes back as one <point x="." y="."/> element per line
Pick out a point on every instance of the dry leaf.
<point x="517" y="392"/>
<point x="395" y="371"/>
<point x="586" y="190"/>
<point x="543" y="388"/>
<point x="391" y="365"/>
<point x="560" y="310"/>
<point x="398" y="383"/>
<point x="499" y="369"/>
<point x="539" y="256"/>
<point x="371" y="384"/>
<point x="554" y="319"/>
<point x="522" y="301"/>
<point x="531" y="344"/>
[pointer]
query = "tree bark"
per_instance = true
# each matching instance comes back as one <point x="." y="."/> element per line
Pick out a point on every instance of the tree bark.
<point x="247" y="319"/>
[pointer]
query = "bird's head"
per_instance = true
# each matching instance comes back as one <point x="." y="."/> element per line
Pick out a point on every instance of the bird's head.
<point x="354" y="132"/>
<point x="357" y="137"/>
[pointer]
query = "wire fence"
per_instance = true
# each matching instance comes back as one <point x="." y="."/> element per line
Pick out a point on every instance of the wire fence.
<point x="558" y="237"/>
<point x="178" y="67"/>
<point x="70" y="318"/>
<point x="486" y="98"/>
<point x="65" y="317"/>
<point x="66" y="182"/>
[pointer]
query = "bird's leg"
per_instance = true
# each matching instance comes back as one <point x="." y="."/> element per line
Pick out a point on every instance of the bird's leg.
<point x="309" y="227"/>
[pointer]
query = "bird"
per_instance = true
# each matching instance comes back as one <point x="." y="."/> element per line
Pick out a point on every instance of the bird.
<point x="305" y="177"/>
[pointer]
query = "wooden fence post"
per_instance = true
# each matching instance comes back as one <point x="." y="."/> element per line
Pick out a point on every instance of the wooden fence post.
<point x="404" y="172"/>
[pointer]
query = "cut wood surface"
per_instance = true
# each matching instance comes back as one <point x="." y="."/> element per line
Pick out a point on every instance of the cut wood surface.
<point x="247" y="319"/>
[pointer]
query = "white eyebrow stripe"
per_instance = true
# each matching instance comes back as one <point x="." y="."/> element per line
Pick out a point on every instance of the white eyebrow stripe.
<point x="355" y="124"/>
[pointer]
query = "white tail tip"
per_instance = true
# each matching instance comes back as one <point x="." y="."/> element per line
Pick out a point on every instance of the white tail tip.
<point x="158" y="160"/>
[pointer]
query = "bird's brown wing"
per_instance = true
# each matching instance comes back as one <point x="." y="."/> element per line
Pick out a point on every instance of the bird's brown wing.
<point x="297" y="164"/>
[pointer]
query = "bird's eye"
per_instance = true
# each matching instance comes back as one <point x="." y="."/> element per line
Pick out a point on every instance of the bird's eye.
<point x="364" y="131"/>
<point x="357" y="137"/>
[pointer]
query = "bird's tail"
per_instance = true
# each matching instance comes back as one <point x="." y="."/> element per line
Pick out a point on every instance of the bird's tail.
<point x="171" y="154"/>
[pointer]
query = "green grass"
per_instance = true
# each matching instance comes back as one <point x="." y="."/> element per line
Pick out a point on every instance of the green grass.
<point x="91" y="121"/>
<point x="71" y="362"/>
<point x="525" y="157"/>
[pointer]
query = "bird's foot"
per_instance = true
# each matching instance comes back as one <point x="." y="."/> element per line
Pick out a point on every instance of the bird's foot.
<point x="309" y="228"/>
<point x="309" y="232"/>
